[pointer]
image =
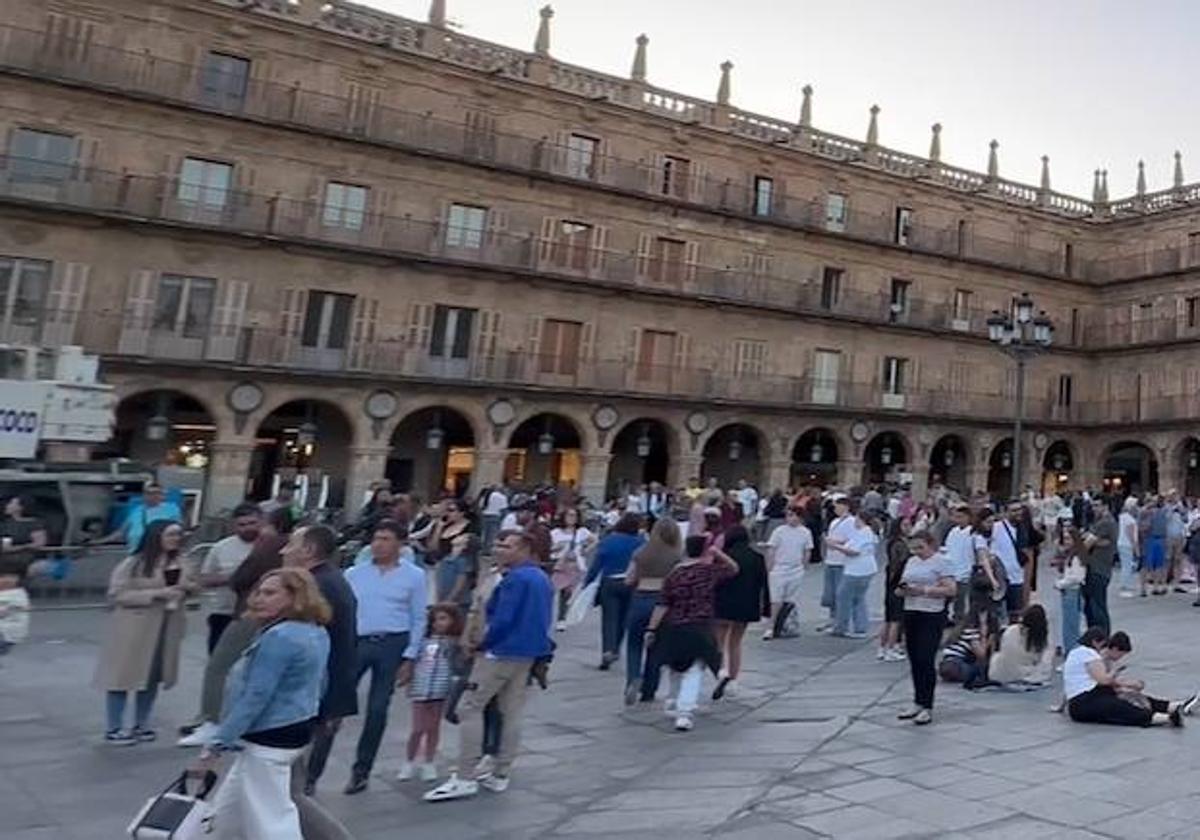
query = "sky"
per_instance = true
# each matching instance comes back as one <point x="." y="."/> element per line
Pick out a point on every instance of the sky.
<point x="1091" y="83"/>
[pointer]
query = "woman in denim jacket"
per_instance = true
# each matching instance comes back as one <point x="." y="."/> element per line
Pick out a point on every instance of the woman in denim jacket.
<point x="271" y="700"/>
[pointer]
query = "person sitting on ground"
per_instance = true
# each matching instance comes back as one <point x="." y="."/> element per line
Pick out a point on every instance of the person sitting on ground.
<point x="965" y="658"/>
<point x="1025" y="655"/>
<point x="1096" y="694"/>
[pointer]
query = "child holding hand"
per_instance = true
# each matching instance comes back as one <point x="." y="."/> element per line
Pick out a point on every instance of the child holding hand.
<point x="430" y="686"/>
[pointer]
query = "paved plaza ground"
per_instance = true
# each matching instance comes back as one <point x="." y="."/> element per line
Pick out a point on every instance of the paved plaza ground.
<point x="810" y="748"/>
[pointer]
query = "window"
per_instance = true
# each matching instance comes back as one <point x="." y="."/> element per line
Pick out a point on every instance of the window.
<point x="345" y="206"/>
<point x="581" y="156"/>
<point x="1064" y="391"/>
<point x="224" y="80"/>
<point x="452" y="332"/>
<point x="1192" y="312"/>
<point x="826" y="372"/>
<point x="23" y="288"/>
<point x="668" y="260"/>
<point x="960" y="318"/>
<point x="184" y="305"/>
<point x="835" y="212"/>
<point x="898" y="309"/>
<point x="963" y="232"/>
<point x="831" y="287"/>
<point x="41" y="157"/>
<point x="465" y="225"/>
<point x="574" y="245"/>
<point x="675" y="176"/>
<point x="327" y="321"/>
<point x="903" y="225"/>
<point x="895" y="372"/>
<point x="1068" y="259"/>
<point x="1193" y="246"/>
<point x="764" y="195"/>
<point x="205" y="182"/>
<point x="560" y="347"/>
<point x="655" y="355"/>
<point x="749" y="357"/>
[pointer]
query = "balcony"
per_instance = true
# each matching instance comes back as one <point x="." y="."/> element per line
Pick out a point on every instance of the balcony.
<point x="147" y="76"/>
<point x="156" y="198"/>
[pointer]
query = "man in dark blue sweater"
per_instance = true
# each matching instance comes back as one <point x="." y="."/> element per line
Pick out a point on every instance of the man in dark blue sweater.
<point x="519" y="617"/>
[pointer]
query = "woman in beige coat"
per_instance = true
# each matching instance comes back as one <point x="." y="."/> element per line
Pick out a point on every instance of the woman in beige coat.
<point x="145" y="630"/>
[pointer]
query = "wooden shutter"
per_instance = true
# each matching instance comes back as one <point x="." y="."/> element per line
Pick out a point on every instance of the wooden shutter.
<point x="68" y="288"/>
<point x="420" y="326"/>
<point x="139" y="308"/>
<point x="599" y="250"/>
<point x="533" y="345"/>
<point x="645" y="251"/>
<point x="697" y="182"/>
<point x="587" y="342"/>
<point x="291" y="323"/>
<point x="654" y="173"/>
<point x="683" y="351"/>
<point x="558" y="152"/>
<point x="546" y="242"/>
<point x="227" y="325"/>
<point x="603" y="150"/>
<point x="691" y="261"/>
<point x="497" y="226"/>
<point x="633" y="345"/>
<point x="363" y="326"/>
<point x="487" y="333"/>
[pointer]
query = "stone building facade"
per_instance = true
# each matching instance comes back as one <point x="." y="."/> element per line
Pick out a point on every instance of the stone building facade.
<point x="310" y="238"/>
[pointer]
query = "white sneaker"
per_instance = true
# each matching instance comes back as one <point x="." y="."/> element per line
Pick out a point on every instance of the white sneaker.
<point x="561" y="626"/>
<point x="452" y="788"/>
<point x="496" y="784"/>
<point x="405" y="773"/>
<point x="428" y="772"/>
<point x="1128" y="593"/>
<point x="484" y="767"/>
<point x="854" y="634"/>
<point x="732" y="689"/>
<point x="683" y="723"/>
<point x="203" y="734"/>
<point x="768" y="634"/>
<point x="883" y="655"/>
<point x="825" y="628"/>
<point x="669" y="706"/>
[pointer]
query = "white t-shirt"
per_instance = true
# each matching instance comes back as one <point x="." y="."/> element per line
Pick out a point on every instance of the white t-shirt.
<point x="14" y="615"/>
<point x="793" y="544"/>
<point x="509" y="522"/>
<point x="562" y="541"/>
<point x="223" y="559"/>
<point x="960" y="551"/>
<point x="748" y="497"/>
<point x="863" y="540"/>
<point x="919" y="572"/>
<point x="1124" y="522"/>
<point x="495" y="504"/>
<point x="1004" y="546"/>
<point x="633" y="503"/>
<point x="1076" y="679"/>
<point x="841" y="529"/>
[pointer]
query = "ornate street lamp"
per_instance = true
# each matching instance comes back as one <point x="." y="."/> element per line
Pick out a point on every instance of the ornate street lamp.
<point x="816" y="453"/>
<point x="948" y="457"/>
<point x="643" y="443"/>
<point x="1021" y="335"/>
<point x="885" y="455"/>
<point x="735" y="449"/>
<point x="159" y="425"/>
<point x="436" y="436"/>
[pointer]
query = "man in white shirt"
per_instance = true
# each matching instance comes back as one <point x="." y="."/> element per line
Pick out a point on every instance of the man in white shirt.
<point x="635" y="500"/>
<point x="788" y="550"/>
<point x="748" y="497"/>
<point x="839" y="532"/>
<point x="222" y="561"/>
<point x="493" y="504"/>
<point x="960" y="552"/>
<point x="1004" y="545"/>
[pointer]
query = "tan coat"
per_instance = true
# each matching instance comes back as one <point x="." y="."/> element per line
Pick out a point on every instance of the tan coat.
<point x="138" y="612"/>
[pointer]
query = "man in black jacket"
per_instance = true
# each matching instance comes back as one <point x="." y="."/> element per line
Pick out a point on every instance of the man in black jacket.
<point x="313" y="548"/>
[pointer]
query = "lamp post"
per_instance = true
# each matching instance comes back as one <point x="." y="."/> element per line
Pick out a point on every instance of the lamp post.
<point x="1022" y="335"/>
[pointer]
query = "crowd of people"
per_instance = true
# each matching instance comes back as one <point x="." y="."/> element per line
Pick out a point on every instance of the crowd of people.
<point x="458" y="603"/>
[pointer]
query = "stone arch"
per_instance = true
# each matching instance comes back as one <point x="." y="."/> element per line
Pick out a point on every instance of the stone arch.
<point x="1187" y="457"/>
<point x="180" y="446"/>
<point x="950" y="462"/>
<point x="308" y="442"/>
<point x="470" y="410"/>
<point x="1129" y="466"/>
<point x="629" y="465"/>
<point x="815" y="455"/>
<point x="432" y="451"/>
<point x="1060" y="461"/>
<point x="545" y="447"/>
<point x="747" y="441"/>
<point x="885" y="455"/>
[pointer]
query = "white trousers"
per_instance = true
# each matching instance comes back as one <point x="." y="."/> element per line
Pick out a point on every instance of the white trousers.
<point x="254" y="801"/>
<point x="685" y="688"/>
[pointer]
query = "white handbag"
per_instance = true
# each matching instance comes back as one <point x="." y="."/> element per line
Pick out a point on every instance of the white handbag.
<point x="581" y="602"/>
<point x="174" y="814"/>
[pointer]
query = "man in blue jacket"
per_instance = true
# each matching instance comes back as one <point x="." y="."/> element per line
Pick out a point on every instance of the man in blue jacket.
<point x="518" y="632"/>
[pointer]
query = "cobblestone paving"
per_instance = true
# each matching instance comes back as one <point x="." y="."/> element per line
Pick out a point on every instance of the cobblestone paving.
<point x="809" y="748"/>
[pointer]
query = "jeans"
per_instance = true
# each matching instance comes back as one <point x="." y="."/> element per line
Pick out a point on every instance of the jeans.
<point x="1095" y="600"/>
<point x="505" y="680"/>
<point x="922" y="635"/>
<point x="1128" y="567"/>
<point x="833" y="580"/>
<point x="851" y="611"/>
<point x="1072" y="606"/>
<point x="614" y="612"/>
<point x="382" y="655"/>
<point x="685" y="688"/>
<point x="114" y="707"/>
<point x="641" y="605"/>
<point x="491" y="527"/>
<point x="254" y="801"/>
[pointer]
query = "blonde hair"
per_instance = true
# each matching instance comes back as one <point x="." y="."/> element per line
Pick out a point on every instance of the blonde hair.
<point x="308" y="604"/>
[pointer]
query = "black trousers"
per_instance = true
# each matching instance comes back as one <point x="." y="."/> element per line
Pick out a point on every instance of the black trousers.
<point x="1103" y="705"/>
<point x="322" y="743"/>
<point x="1095" y="600"/>
<point x="217" y="622"/>
<point x="922" y="635"/>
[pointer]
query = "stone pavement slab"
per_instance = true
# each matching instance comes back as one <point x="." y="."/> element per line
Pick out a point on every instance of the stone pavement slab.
<point x="810" y="748"/>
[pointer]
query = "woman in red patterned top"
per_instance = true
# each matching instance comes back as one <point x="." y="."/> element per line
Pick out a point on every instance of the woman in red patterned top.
<point x="680" y="633"/>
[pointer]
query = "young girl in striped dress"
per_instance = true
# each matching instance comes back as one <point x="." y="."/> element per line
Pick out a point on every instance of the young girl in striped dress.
<point x="429" y="687"/>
